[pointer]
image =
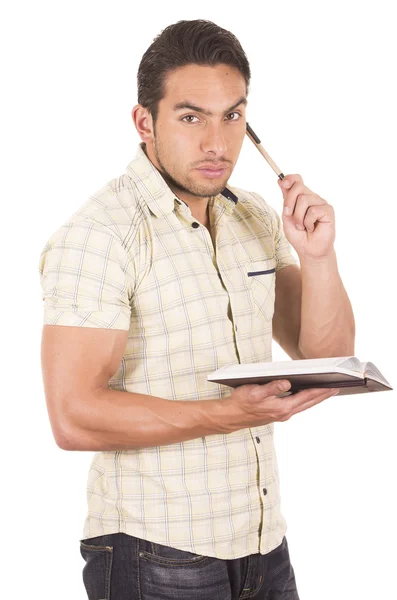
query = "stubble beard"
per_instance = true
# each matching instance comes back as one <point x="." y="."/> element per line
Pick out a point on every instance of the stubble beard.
<point x="189" y="186"/>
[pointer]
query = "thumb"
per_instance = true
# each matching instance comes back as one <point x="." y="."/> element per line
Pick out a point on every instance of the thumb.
<point x="277" y="386"/>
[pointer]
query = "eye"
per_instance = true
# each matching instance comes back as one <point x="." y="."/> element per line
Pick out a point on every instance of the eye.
<point x="234" y="113"/>
<point x="189" y="117"/>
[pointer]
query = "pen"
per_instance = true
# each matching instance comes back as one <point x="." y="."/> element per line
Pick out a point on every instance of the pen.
<point x="254" y="138"/>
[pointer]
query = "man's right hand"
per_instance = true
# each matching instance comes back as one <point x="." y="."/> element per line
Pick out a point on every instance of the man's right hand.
<point x="252" y="405"/>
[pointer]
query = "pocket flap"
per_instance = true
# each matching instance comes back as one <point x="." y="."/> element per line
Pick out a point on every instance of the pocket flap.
<point x="261" y="267"/>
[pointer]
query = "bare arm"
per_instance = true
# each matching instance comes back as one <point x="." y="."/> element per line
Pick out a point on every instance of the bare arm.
<point x="77" y="363"/>
<point x="322" y="316"/>
<point x="85" y="414"/>
<point x="327" y="323"/>
<point x="313" y="317"/>
<point x="287" y="310"/>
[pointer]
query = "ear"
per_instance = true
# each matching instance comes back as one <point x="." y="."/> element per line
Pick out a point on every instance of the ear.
<point x="143" y="123"/>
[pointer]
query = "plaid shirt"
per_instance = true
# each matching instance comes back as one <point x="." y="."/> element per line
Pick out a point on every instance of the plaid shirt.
<point x="133" y="258"/>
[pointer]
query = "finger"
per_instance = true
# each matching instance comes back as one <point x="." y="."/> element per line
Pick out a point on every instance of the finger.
<point x="321" y="214"/>
<point x="288" y="180"/>
<point x="290" y="196"/>
<point x="266" y="390"/>
<point x="303" y="206"/>
<point x="286" y="185"/>
<point x="290" y="411"/>
<point x="277" y="386"/>
<point x="310" y="397"/>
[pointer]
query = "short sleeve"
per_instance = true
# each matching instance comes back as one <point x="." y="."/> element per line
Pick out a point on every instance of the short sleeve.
<point x="283" y="251"/>
<point x="85" y="277"/>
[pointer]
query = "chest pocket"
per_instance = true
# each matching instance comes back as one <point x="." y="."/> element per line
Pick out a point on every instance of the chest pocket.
<point x="261" y="276"/>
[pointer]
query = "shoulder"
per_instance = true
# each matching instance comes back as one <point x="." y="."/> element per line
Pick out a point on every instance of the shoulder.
<point x="115" y="211"/>
<point x="116" y="206"/>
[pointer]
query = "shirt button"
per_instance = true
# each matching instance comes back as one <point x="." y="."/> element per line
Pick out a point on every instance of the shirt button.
<point x="195" y="225"/>
<point x="257" y="439"/>
<point x="264" y="491"/>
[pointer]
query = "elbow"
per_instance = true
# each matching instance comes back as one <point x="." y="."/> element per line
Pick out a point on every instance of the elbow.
<point x="65" y="435"/>
<point x="67" y="432"/>
<point x="64" y="439"/>
<point x="77" y="439"/>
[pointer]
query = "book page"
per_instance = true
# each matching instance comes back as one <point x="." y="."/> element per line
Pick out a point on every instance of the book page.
<point x="352" y="364"/>
<point x="307" y="365"/>
<point x="373" y="372"/>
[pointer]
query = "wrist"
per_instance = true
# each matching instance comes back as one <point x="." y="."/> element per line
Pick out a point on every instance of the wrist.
<point x="328" y="260"/>
<point x="217" y="415"/>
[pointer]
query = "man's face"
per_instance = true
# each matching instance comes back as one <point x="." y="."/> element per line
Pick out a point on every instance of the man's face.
<point x="209" y="132"/>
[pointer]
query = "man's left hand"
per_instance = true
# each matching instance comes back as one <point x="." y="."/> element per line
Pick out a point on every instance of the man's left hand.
<point x="312" y="214"/>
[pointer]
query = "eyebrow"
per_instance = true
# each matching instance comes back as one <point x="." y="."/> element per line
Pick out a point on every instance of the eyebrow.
<point x="185" y="104"/>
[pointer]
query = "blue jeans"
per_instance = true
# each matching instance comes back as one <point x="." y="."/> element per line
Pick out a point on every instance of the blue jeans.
<point x="123" y="567"/>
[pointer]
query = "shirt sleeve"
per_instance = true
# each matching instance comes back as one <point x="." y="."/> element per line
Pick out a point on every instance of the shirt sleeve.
<point x="85" y="277"/>
<point x="283" y="249"/>
<point x="284" y="253"/>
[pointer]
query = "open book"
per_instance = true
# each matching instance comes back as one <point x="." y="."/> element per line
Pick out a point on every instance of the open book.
<point x="344" y="372"/>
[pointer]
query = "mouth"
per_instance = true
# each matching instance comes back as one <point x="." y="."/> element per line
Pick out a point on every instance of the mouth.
<point x="212" y="173"/>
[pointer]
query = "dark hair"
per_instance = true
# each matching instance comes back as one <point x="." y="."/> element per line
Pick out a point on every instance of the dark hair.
<point x="186" y="42"/>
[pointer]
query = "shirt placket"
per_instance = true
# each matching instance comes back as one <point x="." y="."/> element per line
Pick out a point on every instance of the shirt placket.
<point x="263" y="452"/>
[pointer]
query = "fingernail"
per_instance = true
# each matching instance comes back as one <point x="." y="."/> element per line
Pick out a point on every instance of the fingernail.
<point x="300" y="228"/>
<point x="286" y="184"/>
<point x="335" y="393"/>
<point x="287" y="211"/>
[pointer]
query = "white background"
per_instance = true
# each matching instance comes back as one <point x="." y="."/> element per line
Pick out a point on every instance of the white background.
<point x="323" y="102"/>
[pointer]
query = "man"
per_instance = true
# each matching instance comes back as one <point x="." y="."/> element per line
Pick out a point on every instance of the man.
<point x="164" y="275"/>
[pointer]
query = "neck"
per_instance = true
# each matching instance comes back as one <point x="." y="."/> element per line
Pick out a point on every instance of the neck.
<point x="198" y="205"/>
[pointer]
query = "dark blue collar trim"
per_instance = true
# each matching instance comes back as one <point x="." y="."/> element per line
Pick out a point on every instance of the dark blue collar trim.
<point x="229" y="195"/>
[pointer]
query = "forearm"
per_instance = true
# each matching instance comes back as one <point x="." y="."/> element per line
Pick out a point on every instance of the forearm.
<point x="327" y="320"/>
<point x="114" y="420"/>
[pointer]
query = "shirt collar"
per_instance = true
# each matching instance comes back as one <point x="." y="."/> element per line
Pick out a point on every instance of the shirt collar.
<point x="156" y="192"/>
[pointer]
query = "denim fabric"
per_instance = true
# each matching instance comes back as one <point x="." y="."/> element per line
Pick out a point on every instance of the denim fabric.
<point x="123" y="567"/>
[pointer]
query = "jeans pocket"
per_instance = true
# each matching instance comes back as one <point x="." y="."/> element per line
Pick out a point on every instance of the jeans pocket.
<point x="166" y="572"/>
<point x="166" y="555"/>
<point x="98" y="568"/>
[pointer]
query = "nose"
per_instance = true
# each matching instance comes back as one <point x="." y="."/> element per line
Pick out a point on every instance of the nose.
<point x="214" y="140"/>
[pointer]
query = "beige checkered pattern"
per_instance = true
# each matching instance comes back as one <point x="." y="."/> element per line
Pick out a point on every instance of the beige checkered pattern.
<point x="130" y="259"/>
